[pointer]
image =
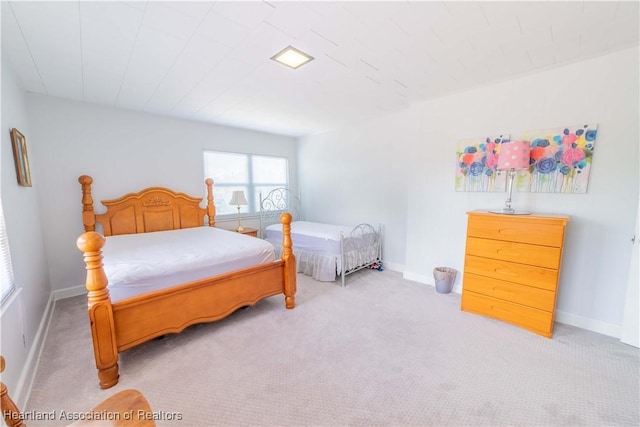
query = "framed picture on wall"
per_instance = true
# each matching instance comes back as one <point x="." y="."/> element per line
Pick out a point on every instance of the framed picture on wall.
<point x="21" y="158"/>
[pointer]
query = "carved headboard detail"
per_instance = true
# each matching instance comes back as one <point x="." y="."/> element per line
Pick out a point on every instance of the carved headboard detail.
<point x="152" y="209"/>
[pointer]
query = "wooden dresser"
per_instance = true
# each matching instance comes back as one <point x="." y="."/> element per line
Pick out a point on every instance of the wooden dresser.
<point x="511" y="268"/>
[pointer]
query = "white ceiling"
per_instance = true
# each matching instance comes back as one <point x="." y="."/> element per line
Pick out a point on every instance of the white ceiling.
<point x="210" y="61"/>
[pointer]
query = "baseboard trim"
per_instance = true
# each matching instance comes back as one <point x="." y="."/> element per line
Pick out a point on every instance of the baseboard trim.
<point x="69" y="292"/>
<point x="416" y="277"/>
<point x="592" y="325"/>
<point x="25" y="383"/>
<point x="392" y="266"/>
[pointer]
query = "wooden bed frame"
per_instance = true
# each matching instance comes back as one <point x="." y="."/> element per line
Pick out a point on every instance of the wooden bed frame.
<point x="118" y="326"/>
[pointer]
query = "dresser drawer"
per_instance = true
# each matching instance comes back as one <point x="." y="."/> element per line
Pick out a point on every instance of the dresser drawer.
<point x="541" y="256"/>
<point x="538" y="321"/>
<point x="517" y="229"/>
<point x="526" y="295"/>
<point x="523" y="274"/>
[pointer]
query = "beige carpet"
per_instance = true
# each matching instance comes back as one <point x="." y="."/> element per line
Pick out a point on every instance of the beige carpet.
<point x="382" y="351"/>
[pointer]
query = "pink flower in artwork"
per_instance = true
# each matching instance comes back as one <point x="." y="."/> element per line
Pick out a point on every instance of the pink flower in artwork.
<point x="568" y="140"/>
<point x="492" y="160"/>
<point x="572" y="156"/>
<point x="490" y="147"/>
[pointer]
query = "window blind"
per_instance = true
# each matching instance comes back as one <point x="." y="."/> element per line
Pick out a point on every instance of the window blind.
<point x="7" y="283"/>
<point x="251" y="173"/>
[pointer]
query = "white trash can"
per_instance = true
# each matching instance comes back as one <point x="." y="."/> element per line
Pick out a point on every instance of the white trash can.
<point x="444" y="277"/>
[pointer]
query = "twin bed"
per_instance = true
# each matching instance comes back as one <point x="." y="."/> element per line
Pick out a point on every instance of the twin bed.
<point x="323" y="251"/>
<point x="168" y="269"/>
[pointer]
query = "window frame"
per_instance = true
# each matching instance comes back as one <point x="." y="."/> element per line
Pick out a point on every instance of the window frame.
<point x="251" y="188"/>
<point x="7" y="277"/>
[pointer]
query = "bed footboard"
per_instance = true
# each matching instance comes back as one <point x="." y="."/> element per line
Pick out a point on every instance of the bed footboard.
<point x="115" y="328"/>
<point x="360" y="250"/>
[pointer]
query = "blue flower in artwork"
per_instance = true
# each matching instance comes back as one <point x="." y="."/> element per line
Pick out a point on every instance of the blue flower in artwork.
<point x="488" y="172"/>
<point x="566" y="131"/>
<point x="476" y="169"/>
<point x="590" y="135"/>
<point x="564" y="170"/>
<point x="542" y="143"/>
<point x="546" y="165"/>
<point x="579" y="132"/>
<point x="470" y="149"/>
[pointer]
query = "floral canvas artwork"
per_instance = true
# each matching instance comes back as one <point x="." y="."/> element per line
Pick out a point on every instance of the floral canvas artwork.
<point x="476" y="161"/>
<point x="560" y="160"/>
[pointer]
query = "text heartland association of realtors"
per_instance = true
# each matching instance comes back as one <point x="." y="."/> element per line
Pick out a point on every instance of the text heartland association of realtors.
<point x="92" y="415"/>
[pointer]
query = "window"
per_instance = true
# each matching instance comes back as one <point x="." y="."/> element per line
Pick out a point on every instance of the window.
<point x="6" y="271"/>
<point x="250" y="173"/>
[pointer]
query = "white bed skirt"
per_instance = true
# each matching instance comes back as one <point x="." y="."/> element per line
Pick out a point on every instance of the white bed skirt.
<point x="327" y="267"/>
<point x="319" y="266"/>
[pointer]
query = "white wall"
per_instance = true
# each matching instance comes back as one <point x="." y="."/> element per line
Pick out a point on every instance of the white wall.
<point x="24" y="317"/>
<point x="359" y="174"/>
<point x="124" y="152"/>
<point x="411" y="156"/>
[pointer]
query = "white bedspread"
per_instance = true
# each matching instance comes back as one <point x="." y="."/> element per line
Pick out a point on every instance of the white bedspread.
<point x="317" y="248"/>
<point x="315" y="229"/>
<point x="140" y="263"/>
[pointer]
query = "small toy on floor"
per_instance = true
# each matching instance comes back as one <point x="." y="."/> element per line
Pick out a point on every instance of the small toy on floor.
<point x="376" y="266"/>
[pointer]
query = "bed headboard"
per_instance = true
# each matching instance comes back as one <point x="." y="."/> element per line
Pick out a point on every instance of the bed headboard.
<point x="152" y="209"/>
<point x="274" y="203"/>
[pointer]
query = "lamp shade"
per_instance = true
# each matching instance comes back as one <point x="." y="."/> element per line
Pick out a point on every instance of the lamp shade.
<point x="514" y="155"/>
<point x="238" y="198"/>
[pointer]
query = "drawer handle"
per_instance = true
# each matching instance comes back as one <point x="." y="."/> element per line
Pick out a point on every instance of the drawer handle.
<point x="508" y="252"/>
<point x="494" y="308"/>
<point x="505" y="272"/>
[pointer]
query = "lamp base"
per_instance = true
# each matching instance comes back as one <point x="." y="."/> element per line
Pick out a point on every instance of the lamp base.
<point x="509" y="211"/>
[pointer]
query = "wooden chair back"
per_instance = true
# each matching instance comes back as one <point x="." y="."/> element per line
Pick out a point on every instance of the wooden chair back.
<point x="127" y="408"/>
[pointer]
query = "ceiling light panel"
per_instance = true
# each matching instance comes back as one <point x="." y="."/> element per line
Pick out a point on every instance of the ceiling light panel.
<point x="292" y="57"/>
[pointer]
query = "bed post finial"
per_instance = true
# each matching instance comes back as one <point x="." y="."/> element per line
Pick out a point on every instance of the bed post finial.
<point x="100" y="309"/>
<point x="211" y="208"/>
<point x="10" y="412"/>
<point x="289" y="261"/>
<point x="88" y="216"/>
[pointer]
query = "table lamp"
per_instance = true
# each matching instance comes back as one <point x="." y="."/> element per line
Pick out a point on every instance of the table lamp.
<point x="238" y="199"/>
<point x="513" y="155"/>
